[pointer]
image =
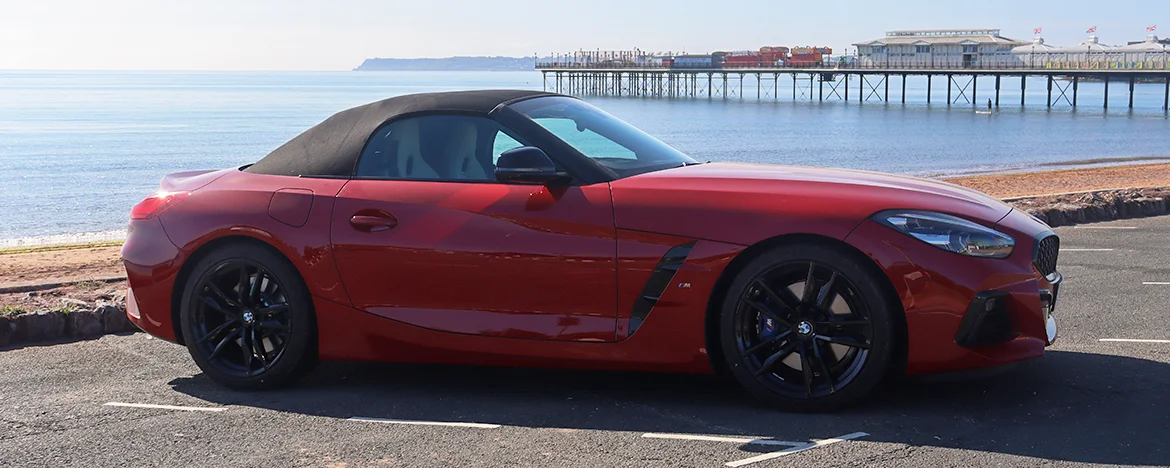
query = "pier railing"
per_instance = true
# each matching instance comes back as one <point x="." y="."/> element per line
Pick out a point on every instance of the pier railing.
<point x="899" y="66"/>
<point x="842" y="81"/>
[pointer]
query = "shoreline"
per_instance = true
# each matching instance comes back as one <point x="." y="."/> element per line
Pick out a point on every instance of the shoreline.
<point x="1011" y="184"/>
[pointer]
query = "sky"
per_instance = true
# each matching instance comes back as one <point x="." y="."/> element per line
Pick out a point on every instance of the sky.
<point x="340" y="34"/>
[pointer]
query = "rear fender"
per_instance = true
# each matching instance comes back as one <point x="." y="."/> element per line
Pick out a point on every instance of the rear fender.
<point x="190" y="180"/>
<point x="238" y="204"/>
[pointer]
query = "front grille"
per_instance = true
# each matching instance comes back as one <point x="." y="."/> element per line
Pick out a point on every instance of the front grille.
<point x="1045" y="257"/>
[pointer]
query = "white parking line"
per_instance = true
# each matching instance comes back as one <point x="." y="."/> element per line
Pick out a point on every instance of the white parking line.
<point x="1104" y="227"/>
<point x="166" y="407"/>
<point x="738" y="440"/>
<point x="1155" y="283"/>
<point x="1085" y="250"/>
<point x="427" y="423"/>
<point x="815" y="444"/>
<point x="1128" y="340"/>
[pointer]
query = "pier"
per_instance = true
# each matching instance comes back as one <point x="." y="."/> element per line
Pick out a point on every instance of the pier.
<point x="855" y="83"/>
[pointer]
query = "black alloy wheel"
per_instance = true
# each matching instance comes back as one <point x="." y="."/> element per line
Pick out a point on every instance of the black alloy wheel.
<point x="807" y="328"/>
<point x="244" y="318"/>
<point x="241" y="320"/>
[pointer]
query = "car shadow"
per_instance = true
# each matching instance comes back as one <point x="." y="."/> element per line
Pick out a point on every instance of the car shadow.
<point x="1069" y="406"/>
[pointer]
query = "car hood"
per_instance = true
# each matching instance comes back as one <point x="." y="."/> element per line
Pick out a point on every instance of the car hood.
<point x="797" y="199"/>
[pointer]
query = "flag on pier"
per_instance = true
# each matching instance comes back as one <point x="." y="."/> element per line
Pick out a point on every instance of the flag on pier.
<point x="1152" y="28"/>
<point x="1091" y="30"/>
<point x="1037" y="30"/>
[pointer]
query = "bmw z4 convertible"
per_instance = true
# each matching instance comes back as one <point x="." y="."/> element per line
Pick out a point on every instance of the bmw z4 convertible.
<point x="521" y="228"/>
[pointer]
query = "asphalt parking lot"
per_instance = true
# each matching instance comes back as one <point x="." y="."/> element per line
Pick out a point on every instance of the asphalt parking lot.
<point x="1087" y="401"/>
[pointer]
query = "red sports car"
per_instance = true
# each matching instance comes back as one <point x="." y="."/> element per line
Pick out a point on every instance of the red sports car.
<point x="521" y="228"/>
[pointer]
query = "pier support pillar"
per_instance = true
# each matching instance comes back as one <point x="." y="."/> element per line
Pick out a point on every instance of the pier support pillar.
<point x="846" y="87"/>
<point x="1049" y="90"/>
<point x="997" y="79"/>
<point x="975" y="89"/>
<point x="1023" y="89"/>
<point x="794" y="87"/>
<point x="1106" y="91"/>
<point x="950" y="79"/>
<point x="758" y="86"/>
<point x="886" y="79"/>
<point x="1166" y="99"/>
<point x="1076" y="86"/>
<point x="822" y="91"/>
<point x="1131" y="80"/>
<point x="903" y="88"/>
<point x="709" y="86"/>
<point x="928" y="78"/>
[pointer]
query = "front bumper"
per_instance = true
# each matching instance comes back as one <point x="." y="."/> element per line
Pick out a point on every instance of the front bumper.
<point x="988" y="319"/>
<point x="1048" y="304"/>
<point x="949" y="326"/>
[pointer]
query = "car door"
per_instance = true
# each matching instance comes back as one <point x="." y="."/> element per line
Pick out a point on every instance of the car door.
<point x="425" y="235"/>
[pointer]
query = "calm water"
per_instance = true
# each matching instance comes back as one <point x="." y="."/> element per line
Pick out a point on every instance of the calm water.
<point x="78" y="149"/>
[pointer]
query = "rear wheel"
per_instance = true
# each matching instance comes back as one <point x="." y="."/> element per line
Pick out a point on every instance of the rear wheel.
<point x="807" y="328"/>
<point x="247" y="318"/>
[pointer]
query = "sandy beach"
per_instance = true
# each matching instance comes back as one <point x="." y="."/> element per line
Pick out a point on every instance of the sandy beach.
<point x="1027" y="184"/>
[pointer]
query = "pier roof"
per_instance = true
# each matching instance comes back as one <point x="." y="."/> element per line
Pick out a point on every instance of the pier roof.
<point x="969" y="36"/>
<point x="1151" y="44"/>
<point x="1037" y="45"/>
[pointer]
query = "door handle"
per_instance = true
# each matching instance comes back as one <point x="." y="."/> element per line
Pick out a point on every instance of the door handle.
<point x="373" y="222"/>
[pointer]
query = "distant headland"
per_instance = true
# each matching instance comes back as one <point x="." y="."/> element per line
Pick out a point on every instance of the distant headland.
<point x="449" y="64"/>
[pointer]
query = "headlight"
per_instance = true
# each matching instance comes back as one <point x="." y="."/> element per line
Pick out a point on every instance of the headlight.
<point x="949" y="233"/>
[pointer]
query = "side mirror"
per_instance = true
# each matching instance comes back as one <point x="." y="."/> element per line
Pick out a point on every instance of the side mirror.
<point x="528" y="164"/>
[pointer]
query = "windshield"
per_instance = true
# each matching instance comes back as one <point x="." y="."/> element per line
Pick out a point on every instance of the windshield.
<point x="602" y="137"/>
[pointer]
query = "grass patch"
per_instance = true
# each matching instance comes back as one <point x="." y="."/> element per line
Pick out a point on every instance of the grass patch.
<point x="12" y="311"/>
<point x="56" y="247"/>
<point x="90" y="285"/>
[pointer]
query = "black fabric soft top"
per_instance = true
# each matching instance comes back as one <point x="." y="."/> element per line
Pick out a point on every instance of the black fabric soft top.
<point x="332" y="147"/>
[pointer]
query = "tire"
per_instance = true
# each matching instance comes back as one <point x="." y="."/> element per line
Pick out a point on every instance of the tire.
<point x="274" y="321"/>
<point x="808" y="350"/>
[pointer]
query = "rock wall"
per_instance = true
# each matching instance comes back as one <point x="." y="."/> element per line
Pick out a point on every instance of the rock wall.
<point x="1107" y="205"/>
<point x="57" y="325"/>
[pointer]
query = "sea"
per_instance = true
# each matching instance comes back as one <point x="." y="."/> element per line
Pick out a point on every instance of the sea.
<point x="78" y="149"/>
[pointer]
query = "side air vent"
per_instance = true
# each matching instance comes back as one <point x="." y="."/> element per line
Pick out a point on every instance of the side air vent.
<point x="659" y="280"/>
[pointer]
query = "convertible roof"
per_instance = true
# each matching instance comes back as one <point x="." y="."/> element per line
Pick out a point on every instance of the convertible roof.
<point x="332" y="147"/>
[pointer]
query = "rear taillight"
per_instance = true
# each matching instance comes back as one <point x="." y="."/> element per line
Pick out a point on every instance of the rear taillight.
<point x="155" y="204"/>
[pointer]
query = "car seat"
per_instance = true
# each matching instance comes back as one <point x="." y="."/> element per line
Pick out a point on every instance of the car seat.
<point x="411" y="164"/>
<point x="461" y="152"/>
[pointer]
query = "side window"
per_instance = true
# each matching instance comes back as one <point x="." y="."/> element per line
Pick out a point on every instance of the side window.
<point x="435" y="147"/>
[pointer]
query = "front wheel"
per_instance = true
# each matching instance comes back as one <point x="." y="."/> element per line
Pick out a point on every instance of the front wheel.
<point x="807" y="328"/>
<point x="247" y="318"/>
